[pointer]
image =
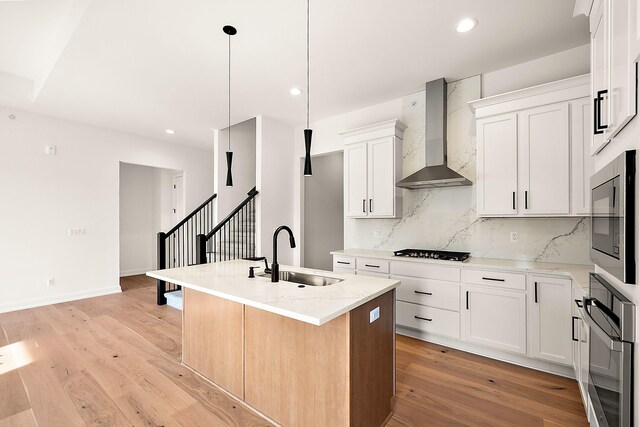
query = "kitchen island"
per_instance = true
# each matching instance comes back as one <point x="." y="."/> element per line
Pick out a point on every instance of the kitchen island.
<point x="298" y="354"/>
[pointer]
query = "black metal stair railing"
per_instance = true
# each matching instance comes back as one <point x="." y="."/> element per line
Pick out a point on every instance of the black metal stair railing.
<point x="233" y="238"/>
<point x="177" y="247"/>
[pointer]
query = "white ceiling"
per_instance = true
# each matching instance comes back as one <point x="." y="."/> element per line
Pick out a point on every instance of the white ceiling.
<point x="142" y="66"/>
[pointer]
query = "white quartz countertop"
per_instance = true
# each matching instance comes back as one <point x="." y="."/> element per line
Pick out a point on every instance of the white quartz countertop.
<point x="312" y="304"/>
<point x="578" y="272"/>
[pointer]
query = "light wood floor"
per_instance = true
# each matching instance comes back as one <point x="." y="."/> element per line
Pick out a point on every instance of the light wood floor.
<point x="115" y="361"/>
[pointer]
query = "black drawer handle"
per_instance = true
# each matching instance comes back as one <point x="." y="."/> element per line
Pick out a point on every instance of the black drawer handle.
<point x="423" y="318"/>
<point x="423" y="293"/>
<point x="579" y="303"/>
<point x="372" y="266"/>
<point x="364" y="202"/>
<point x="467" y="300"/>
<point x="343" y="262"/>
<point x="492" y="279"/>
<point x="573" y="328"/>
<point x="513" y="200"/>
<point x="535" y="292"/>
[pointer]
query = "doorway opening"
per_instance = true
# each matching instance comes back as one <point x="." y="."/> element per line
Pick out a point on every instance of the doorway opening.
<point x="151" y="200"/>
<point x="323" y="211"/>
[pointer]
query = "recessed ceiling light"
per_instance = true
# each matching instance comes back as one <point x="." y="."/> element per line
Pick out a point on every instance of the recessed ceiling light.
<point x="295" y="91"/>
<point x="170" y="131"/>
<point x="466" y="24"/>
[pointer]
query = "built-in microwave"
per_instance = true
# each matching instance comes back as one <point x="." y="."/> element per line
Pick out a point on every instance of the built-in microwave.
<point x="612" y="217"/>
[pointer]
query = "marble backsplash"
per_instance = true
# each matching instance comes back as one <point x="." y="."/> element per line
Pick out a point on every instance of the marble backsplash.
<point x="445" y="218"/>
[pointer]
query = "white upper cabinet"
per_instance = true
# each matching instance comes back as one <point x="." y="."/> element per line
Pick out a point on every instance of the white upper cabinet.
<point x="372" y="166"/>
<point x="498" y="165"/>
<point x="614" y="41"/>
<point x="533" y="152"/>
<point x="543" y="159"/>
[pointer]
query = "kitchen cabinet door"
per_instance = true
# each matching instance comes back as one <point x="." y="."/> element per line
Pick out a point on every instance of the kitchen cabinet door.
<point x="543" y="160"/>
<point x="497" y="165"/>
<point x="622" y="84"/>
<point x="355" y="160"/>
<point x="550" y="326"/>
<point x="599" y="74"/>
<point x="495" y="318"/>
<point x="582" y="163"/>
<point x="381" y="182"/>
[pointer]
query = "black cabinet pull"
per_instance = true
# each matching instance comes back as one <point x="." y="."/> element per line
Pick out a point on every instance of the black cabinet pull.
<point x="467" y="300"/>
<point x="573" y="328"/>
<point x="526" y="199"/>
<point x="372" y="266"/>
<point x="370" y="205"/>
<point x="364" y="205"/>
<point x="579" y="303"/>
<point x="598" y="127"/>
<point x="492" y="279"/>
<point x="423" y="318"/>
<point x="423" y="293"/>
<point x="535" y="292"/>
<point x="343" y="262"/>
<point x="513" y="200"/>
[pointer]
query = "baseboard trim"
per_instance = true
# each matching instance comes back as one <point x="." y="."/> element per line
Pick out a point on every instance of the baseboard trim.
<point x="56" y="299"/>
<point x="135" y="272"/>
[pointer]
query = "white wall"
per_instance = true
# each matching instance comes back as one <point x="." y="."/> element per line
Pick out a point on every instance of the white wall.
<point x="561" y="65"/>
<point x="146" y="207"/>
<point x="78" y="187"/>
<point x="628" y="139"/>
<point x="274" y="204"/>
<point x="243" y="146"/>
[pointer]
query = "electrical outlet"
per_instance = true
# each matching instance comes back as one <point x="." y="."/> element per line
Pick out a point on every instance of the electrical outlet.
<point x="514" y="236"/>
<point x="51" y="281"/>
<point x="374" y="314"/>
<point x="77" y="231"/>
<point x="50" y="149"/>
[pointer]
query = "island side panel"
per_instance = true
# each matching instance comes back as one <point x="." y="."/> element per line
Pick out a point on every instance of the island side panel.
<point x="372" y="362"/>
<point x="212" y="339"/>
<point x="297" y="373"/>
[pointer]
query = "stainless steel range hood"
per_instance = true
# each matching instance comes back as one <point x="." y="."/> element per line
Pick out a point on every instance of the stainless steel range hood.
<point x="436" y="173"/>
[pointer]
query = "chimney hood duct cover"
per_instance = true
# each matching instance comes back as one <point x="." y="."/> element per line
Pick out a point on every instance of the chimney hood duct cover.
<point x="436" y="173"/>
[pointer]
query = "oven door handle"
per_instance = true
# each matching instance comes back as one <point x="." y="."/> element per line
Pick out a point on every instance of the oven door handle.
<point x="613" y="345"/>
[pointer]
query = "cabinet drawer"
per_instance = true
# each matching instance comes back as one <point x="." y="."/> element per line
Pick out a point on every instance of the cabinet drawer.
<point x="494" y="278"/>
<point x="428" y="319"/>
<point x="432" y="293"/>
<point x="426" y="271"/>
<point x="344" y="262"/>
<point x="372" y="274"/>
<point x="372" y="264"/>
<point x="341" y="270"/>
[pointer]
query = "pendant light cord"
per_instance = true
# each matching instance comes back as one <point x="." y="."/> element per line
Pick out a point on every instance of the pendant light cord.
<point x="308" y="64"/>
<point x="229" y="128"/>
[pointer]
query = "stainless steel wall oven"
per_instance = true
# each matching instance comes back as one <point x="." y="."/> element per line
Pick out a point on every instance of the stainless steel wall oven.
<point x="613" y="216"/>
<point x="611" y="319"/>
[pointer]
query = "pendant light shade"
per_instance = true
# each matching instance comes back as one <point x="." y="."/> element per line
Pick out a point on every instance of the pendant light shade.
<point x="229" y="177"/>
<point x="307" y="157"/>
<point x="307" y="132"/>
<point x="230" y="31"/>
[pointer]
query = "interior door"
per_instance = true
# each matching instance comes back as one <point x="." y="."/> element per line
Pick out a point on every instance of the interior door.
<point x="355" y="161"/>
<point x="381" y="178"/>
<point x="497" y="165"/>
<point x="543" y="166"/>
<point x="178" y="197"/>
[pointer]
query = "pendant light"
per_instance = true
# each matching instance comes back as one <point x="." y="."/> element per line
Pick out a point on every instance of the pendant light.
<point x="307" y="131"/>
<point x="230" y="31"/>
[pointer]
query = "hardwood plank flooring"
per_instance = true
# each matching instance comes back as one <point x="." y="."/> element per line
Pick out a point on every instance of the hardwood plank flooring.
<point x="115" y="361"/>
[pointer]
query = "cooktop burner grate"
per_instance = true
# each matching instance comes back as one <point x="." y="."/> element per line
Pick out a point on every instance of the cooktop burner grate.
<point x="432" y="254"/>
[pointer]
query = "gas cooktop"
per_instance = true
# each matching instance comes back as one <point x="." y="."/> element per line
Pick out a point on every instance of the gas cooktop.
<point x="430" y="254"/>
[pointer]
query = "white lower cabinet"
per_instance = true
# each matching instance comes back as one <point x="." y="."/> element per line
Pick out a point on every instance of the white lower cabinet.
<point x="494" y="317"/>
<point x="428" y="319"/>
<point x="550" y="324"/>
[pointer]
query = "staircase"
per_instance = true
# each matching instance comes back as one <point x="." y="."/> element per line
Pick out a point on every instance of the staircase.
<point x="195" y="240"/>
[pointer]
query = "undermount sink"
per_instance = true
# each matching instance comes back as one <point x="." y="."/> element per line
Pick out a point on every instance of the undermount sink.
<point x="304" y="278"/>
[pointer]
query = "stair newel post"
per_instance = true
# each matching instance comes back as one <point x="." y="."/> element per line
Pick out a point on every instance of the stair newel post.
<point x="201" y="249"/>
<point x="162" y="264"/>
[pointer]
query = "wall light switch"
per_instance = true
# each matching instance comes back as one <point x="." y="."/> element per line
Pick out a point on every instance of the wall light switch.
<point x="374" y="314"/>
<point x="50" y="149"/>
<point x="51" y="281"/>
<point x="514" y="236"/>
